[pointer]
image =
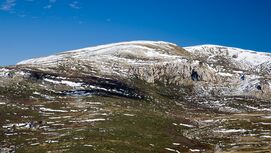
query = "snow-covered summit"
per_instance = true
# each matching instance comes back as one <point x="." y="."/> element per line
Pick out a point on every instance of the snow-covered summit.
<point x="136" y="49"/>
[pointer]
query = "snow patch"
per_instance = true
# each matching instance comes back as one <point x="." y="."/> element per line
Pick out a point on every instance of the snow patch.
<point x="265" y="136"/>
<point x="225" y="74"/>
<point x="259" y="109"/>
<point x="26" y="125"/>
<point x="131" y="115"/>
<point x="52" y="110"/>
<point x="231" y="131"/>
<point x="65" y="82"/>
<point x="172" y="150"/>
<point x="89" y="120"/>
<point x="186" y="125"/>
<point x="194" y="150"/>
<point x="267" y="117"/>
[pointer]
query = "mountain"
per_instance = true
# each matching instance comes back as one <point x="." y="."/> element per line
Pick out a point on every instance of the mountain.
<point x="192" y="86"/>
<point x="217" y="70"/>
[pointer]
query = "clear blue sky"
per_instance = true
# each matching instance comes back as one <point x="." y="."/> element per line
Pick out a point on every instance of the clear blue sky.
<point x="33" y="28"/>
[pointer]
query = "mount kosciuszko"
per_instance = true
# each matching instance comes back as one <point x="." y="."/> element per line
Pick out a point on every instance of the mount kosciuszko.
<point x="202" y="71"/>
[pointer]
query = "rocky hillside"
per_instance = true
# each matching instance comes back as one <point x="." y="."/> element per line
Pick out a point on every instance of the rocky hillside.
<point x="206" y="70"/>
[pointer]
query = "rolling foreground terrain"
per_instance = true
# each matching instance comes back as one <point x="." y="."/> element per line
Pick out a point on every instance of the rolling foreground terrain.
<point x="139" y="96"/>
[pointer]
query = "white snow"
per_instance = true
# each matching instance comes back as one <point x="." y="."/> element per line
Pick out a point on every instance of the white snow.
<point x="43" y="95"/>
<point x="208" y="121"/>
<point x="52" y="110"/>
<point x="231" y="131"/>
<point x="34" y="144"/>
<point x="70" y="83"/>
<point x="131" y="115"/>
<point x="4" y="72"/>
<point x="89" y="120"/>
<point x="152" y="145"/>
<point x="264" y="123"/>
<point x="186" y="125"/>
<point x="259" y="109"/>
<point x="267" y="117"/>
<point x="225" y="74"/>
<point x="78" y="138"/>
<point x="51" y="141"/>
<point x="248" y="84"/>
<point x="194" y="150"/>
<point x="93" y="120"/>
<point x="17" y="125"/>
<point x="52" y="81"/>
<point x="265" y="136"/>
<point x="65" y="82"/>
<point x="172" y="150"/>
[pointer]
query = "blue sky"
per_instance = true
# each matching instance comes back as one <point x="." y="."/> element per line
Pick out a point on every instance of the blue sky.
<point x="33" y="28"/>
